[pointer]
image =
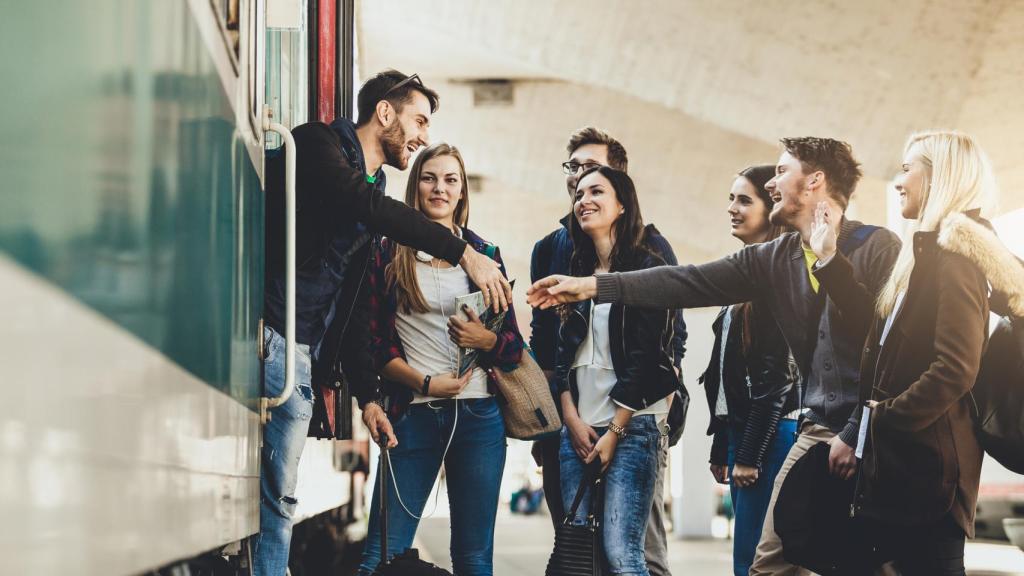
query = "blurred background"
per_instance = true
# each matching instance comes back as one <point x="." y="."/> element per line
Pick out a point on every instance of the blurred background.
<point x="131" y="224"/>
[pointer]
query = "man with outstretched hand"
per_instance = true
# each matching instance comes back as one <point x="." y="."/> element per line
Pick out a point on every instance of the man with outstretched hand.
<point x="780" y="275"/>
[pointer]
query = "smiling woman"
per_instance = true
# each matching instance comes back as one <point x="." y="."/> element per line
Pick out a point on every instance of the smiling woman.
<point x="614" y="371"/>
<point x="439" y="415"/>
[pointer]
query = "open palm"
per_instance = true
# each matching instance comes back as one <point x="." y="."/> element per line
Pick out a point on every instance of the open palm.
<point x="823" y="232"/>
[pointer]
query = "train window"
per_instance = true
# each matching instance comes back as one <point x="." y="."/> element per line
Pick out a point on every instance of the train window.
<point x="254" y="66"/>
<point x="287" y="86"/>
<point x="227" y="12"/>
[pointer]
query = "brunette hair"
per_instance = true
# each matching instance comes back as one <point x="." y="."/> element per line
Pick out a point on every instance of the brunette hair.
<point x="833" y="157"/>
<point x="401" y="272"/>
<point x="628" y="229"/>
<point x="382" y="87"/>
<point x="590" y="135"/>
<point x="758" y="176"/>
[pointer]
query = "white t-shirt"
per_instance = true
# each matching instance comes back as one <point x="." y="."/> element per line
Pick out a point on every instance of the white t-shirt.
<point x="888" y="321"/>
<point x="428" y="349"/>
<point x="721" y="402"/>
<point x="595" y="374"/>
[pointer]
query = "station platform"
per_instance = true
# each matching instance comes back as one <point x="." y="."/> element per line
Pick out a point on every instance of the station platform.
<point x="522" y="545"/>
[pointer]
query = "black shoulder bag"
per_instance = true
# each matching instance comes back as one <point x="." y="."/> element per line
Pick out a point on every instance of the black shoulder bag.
<point x="579" y="550"/>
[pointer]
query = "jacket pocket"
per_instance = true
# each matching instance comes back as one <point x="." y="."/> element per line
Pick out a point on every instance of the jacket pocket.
<point x="907" y="479"/>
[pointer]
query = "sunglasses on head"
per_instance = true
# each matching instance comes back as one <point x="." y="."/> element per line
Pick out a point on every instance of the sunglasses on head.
<point x="414" y="78"/>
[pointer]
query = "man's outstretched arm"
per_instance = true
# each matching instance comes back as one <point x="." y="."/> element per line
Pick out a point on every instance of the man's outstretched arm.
<point x="730" y="280"/>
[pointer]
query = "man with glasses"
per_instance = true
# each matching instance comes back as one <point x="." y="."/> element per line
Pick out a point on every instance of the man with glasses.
<point x="589" y="147"/>
<point x="340" y="210"/>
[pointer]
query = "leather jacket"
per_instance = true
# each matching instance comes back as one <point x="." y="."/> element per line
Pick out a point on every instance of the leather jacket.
<point x="641" y="349"/>
<point x="760" y="386"/>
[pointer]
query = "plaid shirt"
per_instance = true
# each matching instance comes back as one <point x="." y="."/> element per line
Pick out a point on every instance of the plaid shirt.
<point x="385" y="344"/>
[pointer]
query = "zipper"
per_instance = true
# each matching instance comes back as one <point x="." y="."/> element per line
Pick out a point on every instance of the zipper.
<point x="359" y="288"/>
<point x="860" y="469"/>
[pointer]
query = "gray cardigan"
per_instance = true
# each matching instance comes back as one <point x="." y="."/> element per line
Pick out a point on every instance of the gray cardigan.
<point x="775" y="274"/>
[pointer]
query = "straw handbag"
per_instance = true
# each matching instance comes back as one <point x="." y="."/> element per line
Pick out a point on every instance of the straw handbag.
<point x="525" y="399"/>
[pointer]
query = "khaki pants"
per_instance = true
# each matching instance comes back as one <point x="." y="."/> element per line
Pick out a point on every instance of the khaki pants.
<point x="768" y="558"/>
<point x="656" y="541"/>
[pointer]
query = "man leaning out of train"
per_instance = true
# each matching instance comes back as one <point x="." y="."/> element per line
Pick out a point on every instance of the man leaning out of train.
<point x="340" y="206"/>
<point x="926" y="332"/>
<point x="438" y="415"/>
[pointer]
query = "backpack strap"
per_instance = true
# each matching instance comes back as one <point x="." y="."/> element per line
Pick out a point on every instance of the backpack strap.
<point x="857" y="238"/>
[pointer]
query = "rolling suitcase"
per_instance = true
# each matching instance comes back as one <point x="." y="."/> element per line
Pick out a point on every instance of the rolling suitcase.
<point x="408" y="563"/>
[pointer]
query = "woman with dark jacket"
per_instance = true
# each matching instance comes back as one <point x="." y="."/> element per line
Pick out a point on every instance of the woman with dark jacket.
<point x="751" y="384"/>
<point x="438" y="416"/>
<point x="614" y="371"/>
<point x="918" y="483"/>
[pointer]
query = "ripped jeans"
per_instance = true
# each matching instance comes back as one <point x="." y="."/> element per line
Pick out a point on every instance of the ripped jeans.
<point x="283" y="440"/>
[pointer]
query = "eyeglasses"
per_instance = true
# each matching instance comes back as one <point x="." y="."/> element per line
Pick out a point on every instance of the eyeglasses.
<point x="572" y="167"/>
<point x="414" y="78"/>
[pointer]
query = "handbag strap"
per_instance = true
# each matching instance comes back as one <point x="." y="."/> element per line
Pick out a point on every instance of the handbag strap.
<point x="383" y="471"/>
<point x="592" y="476"/>
<point x="597" y="501"/>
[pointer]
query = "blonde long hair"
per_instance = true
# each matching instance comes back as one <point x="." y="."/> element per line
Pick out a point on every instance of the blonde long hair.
<point x="401" y="272"/>
<point x="958" y="178"/>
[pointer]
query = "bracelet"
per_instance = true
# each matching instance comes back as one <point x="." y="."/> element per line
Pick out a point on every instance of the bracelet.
<point x="617" y="430"/>
<point x="426" y="385"/>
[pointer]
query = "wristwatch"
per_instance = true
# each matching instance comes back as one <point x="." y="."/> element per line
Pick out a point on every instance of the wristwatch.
<point x="426" y="385"/>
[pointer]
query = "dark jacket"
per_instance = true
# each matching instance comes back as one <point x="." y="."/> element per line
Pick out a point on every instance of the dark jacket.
<point x="922" y="459"/>
<point x="552" y="255"/>
<point x="774" y="274"/>
<point x="760" y="386"/>
<point x="338" y="211"/>
<point x="387" y="345"/>
<point x="641" y="349"/>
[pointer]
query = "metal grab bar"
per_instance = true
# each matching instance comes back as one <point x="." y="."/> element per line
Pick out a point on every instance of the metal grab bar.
<point x="289" y="267"/>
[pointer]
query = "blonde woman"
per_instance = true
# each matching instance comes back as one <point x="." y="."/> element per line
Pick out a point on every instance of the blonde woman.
<point x="918" y="483"/>
<point x="438" y="417"/>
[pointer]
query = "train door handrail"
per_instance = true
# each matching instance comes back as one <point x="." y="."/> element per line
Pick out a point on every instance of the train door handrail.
<point x="289" y="267"/>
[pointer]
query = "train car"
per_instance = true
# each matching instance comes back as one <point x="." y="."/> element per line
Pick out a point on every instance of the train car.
<point x="133" y="135"/>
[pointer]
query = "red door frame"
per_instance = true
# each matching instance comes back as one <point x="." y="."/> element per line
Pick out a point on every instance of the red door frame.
<point x="327" y="23"/>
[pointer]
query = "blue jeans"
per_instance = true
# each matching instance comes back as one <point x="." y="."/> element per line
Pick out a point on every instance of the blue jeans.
<point x="473" y="469"/>
<point x="283" y="440"/>
<point x="628" y="492"/>
<point x="750" y="504"/>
